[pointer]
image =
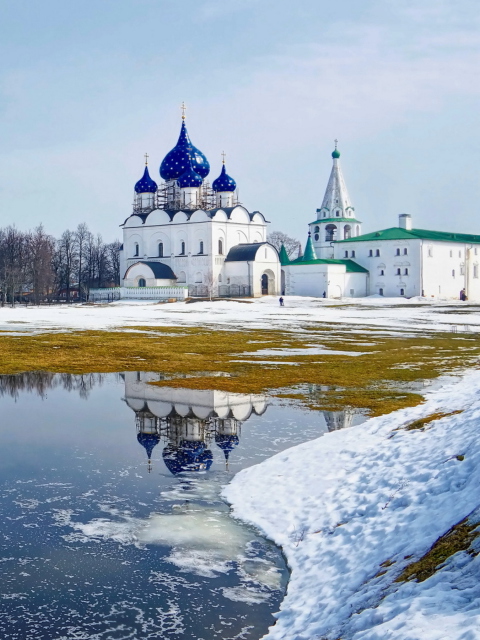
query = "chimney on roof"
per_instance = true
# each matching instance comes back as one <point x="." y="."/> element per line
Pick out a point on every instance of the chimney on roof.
<point x="405" y="221"/>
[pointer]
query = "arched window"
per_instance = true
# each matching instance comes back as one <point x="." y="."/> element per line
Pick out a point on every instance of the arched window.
<point x="358" y="230"/>
<point x="142" y="282"/>
<point x="219" y="277"/>
<point x="402" y="292"/>
<point x="317" y="229"/>
<point x="198" y="277"/>
<point x="330" y="233"/>
<point x="182" y="251"/>
<point x="398" y="272"/>
<point x="380" y="292"/>
<point x="160" y="249"/>
<point x="398" y="252"/>
<point x="220" y="247"/>
<point x="201" y="246"/>
<point x="316" y="236"/>
<point x="137" y="249"/>
<point x="182" y="277"/>
<point x="347" y="231"/>
<point x="338" y="214"/>
<point x="406" y="272"/>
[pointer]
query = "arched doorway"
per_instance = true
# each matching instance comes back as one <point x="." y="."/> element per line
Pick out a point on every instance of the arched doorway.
<point x="283" y="282"/>
<point x="268" y="283"/>
<point x="142" y="282"/>
<point x="264" y="285"/>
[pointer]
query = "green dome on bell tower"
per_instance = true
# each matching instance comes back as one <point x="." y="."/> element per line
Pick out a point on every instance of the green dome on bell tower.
<point x="336" y="152"/>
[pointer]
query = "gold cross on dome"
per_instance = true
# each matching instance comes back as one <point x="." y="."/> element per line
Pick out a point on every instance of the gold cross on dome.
<point x="224" y="155"/>
<point x="184" y="108"/>
<point x="336" y="142"/>
<point x="146" y="158"/>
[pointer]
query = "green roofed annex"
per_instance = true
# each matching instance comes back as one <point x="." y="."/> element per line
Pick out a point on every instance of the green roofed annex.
<point x="339" y="260"/>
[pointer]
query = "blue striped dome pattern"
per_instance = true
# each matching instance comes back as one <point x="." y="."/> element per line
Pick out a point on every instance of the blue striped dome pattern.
<point x="146" y="184"/>
<point x="176" y="161"/>
<point x="190" y="178"/>
<point x="224" y="182"/>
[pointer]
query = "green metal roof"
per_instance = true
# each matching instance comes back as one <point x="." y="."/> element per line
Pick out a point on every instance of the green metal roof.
<point x="334" y="220"/>
<point x="396" y="233"/>
<point x="309" y="253"/>
<point x="351" y="266"/>
<point x="283" y="255"/>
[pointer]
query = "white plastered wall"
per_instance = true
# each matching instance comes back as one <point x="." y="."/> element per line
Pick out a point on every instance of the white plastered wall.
<point x="315" y="279"/>
<point x="198" y="228"/>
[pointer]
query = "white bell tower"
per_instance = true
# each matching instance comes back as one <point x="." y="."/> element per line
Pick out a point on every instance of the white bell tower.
<point x="336" y="217"/>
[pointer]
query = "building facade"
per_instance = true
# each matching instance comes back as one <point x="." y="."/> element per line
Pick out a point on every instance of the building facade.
<point x="341" y="261"/>
<point x="187" y="232"/>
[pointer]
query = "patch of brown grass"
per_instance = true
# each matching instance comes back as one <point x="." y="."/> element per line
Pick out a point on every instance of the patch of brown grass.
<point x="458" y="538"/>
<point x="419" y="424"/>
<point x="377" y="380"/>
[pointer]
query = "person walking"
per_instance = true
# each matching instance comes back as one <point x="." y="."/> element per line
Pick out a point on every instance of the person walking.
<point x="281" y="301"/>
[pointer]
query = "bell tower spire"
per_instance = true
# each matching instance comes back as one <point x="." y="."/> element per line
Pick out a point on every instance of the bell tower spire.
<point x="336" y="217"/>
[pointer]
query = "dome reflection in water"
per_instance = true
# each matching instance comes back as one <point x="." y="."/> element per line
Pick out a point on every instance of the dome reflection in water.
<point x="104" y="538"/>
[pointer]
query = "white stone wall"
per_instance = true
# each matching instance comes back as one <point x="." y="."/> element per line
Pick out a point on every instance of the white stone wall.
<point x="161" y="400"/>
<point x="199" y="228"/>
<point x="449" y="267"/>
<point x="250" y="273"/>
<point x="435" y="269"/>
<point x="384" y="263"/>
<point x="315" y="279"/>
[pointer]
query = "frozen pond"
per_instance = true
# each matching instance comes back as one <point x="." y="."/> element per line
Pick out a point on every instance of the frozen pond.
<point x="112" y="524"/>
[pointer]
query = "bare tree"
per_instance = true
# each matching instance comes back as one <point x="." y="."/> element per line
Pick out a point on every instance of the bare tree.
<point x="40" y="249"/>
<point x="66" y="262"/>
<point x="82" y="239"/>
<point x="13" y="252"/>
<point x="211" y="283"/>
<point x="113" y="252"/>
<point x="277" y="238"/>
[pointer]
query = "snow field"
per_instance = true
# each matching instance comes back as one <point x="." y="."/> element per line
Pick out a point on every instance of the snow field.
<point x="416" y="314"/>
<point x="343" y="504"/>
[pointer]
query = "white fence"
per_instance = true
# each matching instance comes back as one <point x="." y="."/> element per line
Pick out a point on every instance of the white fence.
<point x="138" y="293"/>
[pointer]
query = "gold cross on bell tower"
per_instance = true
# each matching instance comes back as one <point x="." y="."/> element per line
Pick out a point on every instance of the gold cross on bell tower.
<point x="224" y="155"/>
<point x="183" y="108"/>
<point x="146" y="159"/>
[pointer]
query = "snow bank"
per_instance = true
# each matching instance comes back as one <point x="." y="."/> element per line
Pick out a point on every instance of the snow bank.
<point x="342" y="505"/>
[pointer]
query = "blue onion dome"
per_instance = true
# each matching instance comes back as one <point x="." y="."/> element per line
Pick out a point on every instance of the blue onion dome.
<point x="224" y="182"/>
<point x="149" y="441"/>
<point x="146" y="184"/>
<point x="227" y="443"/>
<point x="189" y="456"/>
<point x="190" y="178"/>
<point x="176" y="160"/>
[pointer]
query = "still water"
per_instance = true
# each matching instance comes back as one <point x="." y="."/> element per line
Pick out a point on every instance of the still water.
<point x="112" y="523"/>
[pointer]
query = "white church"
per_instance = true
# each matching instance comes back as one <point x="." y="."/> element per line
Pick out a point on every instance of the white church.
<point x="188" y="233"/>
<point x="187" y="237"/>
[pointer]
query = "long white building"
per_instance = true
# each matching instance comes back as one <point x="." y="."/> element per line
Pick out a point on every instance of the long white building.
<point x="340" y="260"/>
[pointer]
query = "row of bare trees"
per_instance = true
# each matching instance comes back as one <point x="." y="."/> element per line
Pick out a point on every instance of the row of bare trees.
<point x="37" y="267"/>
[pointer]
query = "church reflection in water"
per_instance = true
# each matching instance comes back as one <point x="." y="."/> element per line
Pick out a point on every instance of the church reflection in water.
<point x="188" y="422"/>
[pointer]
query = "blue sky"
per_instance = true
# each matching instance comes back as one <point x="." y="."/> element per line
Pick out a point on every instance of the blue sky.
<point x="86" y="88"/>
